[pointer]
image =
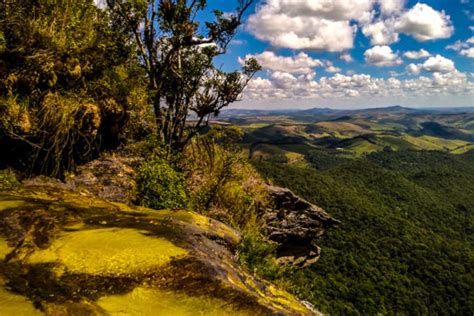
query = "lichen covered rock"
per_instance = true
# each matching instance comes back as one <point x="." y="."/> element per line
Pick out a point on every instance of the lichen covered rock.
<point x="64" y="253"/>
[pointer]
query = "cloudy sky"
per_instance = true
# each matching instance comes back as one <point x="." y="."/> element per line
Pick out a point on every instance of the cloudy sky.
<point x="356" y="53"/>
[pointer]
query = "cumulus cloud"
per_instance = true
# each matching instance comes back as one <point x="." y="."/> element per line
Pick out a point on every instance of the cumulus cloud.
<point x="302" y="33"/>
<point x="382" y="56"/>
<point x="388" y="7"/>
<point x="323" y="25"/>
<point x="346" y="57"/>
<point x="414" y="69"/>
<point x="464" y="48"/>
<point x="438" y="64"/>
<point x="335" y="10"/>
<point x="380" y="32"/>
<point x="330" y="25"/>
<point x="299" y="64"/>
<point x="458" y="45"/>
<point x="417" y="54"/>
<point x="434" y="64"/>
<point x="469" y="52"/>
<point x="332" y="68"/>
<point x="424" y="23"/>
<point x="286" y="86"/>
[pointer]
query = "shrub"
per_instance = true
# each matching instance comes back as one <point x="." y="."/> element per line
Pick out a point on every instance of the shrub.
<point x="258" y="256"/>
<point x="159" y="185"/>
<point x="221" y="182"/>
<point x="8" y="179"/>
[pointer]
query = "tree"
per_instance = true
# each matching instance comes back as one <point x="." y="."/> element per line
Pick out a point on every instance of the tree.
<point x="177" y="53"/>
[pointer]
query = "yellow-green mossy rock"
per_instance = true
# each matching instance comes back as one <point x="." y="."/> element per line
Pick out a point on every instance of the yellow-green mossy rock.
<point x="64" y="253"/>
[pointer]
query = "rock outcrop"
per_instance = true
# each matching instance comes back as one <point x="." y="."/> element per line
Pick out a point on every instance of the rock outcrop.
<point x="65" y="253"/>
<point x="295" y="224"/>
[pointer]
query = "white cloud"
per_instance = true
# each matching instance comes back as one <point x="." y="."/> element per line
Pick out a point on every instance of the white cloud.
<point x="417" y="54"/>
<point x="283" y="80"/>
<point x="458" y="45"/>
<point x="388" y="7"/>
<point x="302" y="33"/>
<point x="323" y="25"/>
<point x="332" y="68"/>
<point x="465" y="48"/>
<point x="380" y="32"/>
<point x="335" y="10"/>
<point x="346" y="57"/>
<point x="438" y="64"/>
<point x="467" y="52"/>
<point x="330" y="25"/>
<point x="424" y="23"/>
<point x="414" y="69"/>
<point x="299" y="64"/>
<point x="434" y="64"/>
<point x="382" y="56"/>
<point x="281" y="86"/>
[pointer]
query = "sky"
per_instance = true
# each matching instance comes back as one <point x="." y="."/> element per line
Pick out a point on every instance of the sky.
<point x="355" y="53"/>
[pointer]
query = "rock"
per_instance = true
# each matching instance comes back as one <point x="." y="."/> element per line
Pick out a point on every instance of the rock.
<point x="294" y="224"/>
<point x="64" y="253"/>
<point x="110" y="177"/>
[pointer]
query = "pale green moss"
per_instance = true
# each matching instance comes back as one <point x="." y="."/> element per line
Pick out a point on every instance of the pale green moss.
<point x="208" y="225"/>
<point x="155" y="302"/>
<point x="109" y="251"/>
<point x="5" y="249"/>
<point x="269" y="294"/>
<point x="5" y="205"/>
<point x="194" y="219"/>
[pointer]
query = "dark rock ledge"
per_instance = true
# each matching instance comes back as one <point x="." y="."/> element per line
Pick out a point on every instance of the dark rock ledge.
<point x="295" y="224"/>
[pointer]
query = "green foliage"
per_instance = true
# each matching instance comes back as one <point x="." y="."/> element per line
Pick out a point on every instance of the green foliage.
<point x="177" y="51"/>
<point x="220" y="180"/>
<point x="406" y="239"/>
<point x="8" y="179"/>
<point x="61" y="101"/>
<point x="159" y="186"/>
<point x="258" y="256"/>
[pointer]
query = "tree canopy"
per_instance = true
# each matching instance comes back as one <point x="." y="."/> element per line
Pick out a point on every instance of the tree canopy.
<point x="177" y="52"/>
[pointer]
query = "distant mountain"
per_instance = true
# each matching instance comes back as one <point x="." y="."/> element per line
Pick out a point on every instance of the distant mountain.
<point x="388" y="109"/>
<point x="317" y="111"/>
<point x="331" y="114"/>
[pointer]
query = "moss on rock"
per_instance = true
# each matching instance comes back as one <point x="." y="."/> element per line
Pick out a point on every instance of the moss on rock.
<point x="72" y="254"/>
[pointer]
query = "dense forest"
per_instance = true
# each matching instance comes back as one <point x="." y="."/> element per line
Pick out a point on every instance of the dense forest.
<point x="405" y="242"/>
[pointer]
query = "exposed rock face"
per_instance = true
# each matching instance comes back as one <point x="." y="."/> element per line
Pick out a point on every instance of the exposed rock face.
<point x="110" y="177"/>
<point x="63" y="253"/>
<point x="295" y="224"/>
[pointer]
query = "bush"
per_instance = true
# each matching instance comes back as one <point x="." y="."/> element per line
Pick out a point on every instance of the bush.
<point x="8" y="179"/>
<point x="258" y="256"/>
<point x="222" y="184"/>
<point x="159" y="185"/>
<point x="61" y="102"/>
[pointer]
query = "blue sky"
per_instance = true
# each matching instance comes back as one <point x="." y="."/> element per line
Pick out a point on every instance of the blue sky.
<point x="356" y="53"/>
